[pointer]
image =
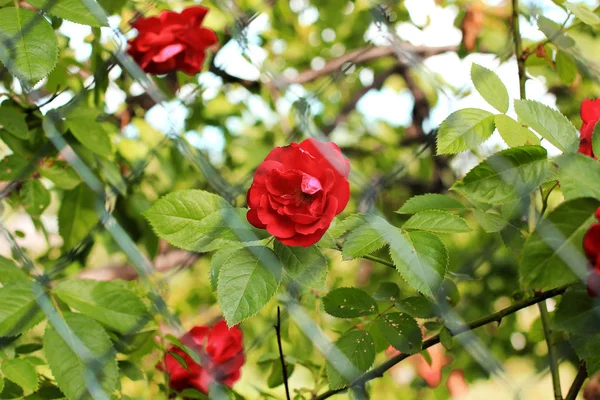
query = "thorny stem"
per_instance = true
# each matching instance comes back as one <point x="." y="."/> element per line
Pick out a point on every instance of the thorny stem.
<point x="281" y="357"/>
<point x="496" y="317"/>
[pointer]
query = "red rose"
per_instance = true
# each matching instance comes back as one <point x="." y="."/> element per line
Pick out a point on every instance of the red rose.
<point x="591" y="247"/>
<point x="172" y="41"/>
<point x="222" y="353"/>
<point x="590" y="114"/>
<point x="298" y="190"/>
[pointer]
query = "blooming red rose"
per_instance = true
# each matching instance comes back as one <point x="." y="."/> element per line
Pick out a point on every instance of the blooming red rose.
<point x="591" y="247"/>
<point x="298" y="190"/>
<point x="172" y="41"/>
<point x="221" y="350"/>
<point x="590" y="114"/>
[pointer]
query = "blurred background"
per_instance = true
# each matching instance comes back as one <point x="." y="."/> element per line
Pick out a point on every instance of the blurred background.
<point x="377" y="80"/>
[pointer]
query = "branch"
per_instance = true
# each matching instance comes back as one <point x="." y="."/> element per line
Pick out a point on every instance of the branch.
<point x="577" y="383"/>
<point x="162" y="263"/>
<point x="496" y="317"/>
<point x="518" y="47"/>
<point x="281" y="357"/>
<point x="552" y="358"/>
<point x="351" y="105"/>
<point x="362" y="56"/>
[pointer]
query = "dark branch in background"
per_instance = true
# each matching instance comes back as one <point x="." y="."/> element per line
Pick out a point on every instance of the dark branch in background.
<point x="362" y="56"/>
<point x="577" y="383"/>
<point x="163" y="262"/>
<point x="378" y="82"/>
<point x="496" y="317"/>
<point x="281" y="357"/>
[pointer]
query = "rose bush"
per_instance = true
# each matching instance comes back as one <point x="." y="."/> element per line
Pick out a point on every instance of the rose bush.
<point x="172" y="41"/>
<point x="221" y="350"/>
<point x="590" y="115"/>
<point x="298" y="190"/>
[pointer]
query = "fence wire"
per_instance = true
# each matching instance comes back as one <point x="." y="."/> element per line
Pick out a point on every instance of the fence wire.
<point x="369" y="189"/>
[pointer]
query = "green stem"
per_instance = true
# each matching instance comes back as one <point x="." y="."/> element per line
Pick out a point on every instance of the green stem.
<point x="380" y="261"/>
<point x="552" y="357"/>
<point x="496" y="317"/>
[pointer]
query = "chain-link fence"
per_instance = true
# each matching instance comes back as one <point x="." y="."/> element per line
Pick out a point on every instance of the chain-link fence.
<point x="367" y="189"/>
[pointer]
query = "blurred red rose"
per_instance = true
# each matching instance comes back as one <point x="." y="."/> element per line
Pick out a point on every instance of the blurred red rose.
<point x="590" y="114"/>
<point x="298" y="190"/>
<point x="591" y="247"/>
<point x="172" y="41"/>
<point x="221" y="350"/>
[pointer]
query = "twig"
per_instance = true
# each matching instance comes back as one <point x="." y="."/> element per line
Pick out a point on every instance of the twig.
<point x="518" y="47"/>
<point x="552" y="358"/>
<point x="577" y="383"/>
<point x="496" y="317"/>
<point x="281" y="357"/>
<point x="364" y="55"/>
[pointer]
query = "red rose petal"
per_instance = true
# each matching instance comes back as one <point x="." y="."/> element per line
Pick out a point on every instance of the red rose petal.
<point x="168" y="52"/>
<point x="590" y="110"/>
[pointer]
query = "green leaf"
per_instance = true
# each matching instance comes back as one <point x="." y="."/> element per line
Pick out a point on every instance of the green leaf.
<point x="1" y="384"/>
<point x="19" y="310"/>
<point x="276" y="376"/>
<point x="74" y="10"/>
<point x="505" y="176"/>
<point x="216" y="263"/>
<point x="248" y="280"/>
<point x="587" y="348"/>
<point x="491" y="221"/>
<point x="77" y="215"/>
<point x="513" y="133"/>
<point x="21" y="372"/>
<point x="490" y="87"/>
<point x="130" y="370"/>
<point x="9" y="272"/>
<point x="566" y="67"/>
<point x="28" y="45"/>
<point x="417" y="306"/>
<point x="351" y="355"/>
<point x="196" y="220"/>
<point x="193" y="394"/>
<point x="555" y="33"/>
<point x="464" y="130"/>
<point x="305" y="265"/>
<point x="80" y="352"/>
<point x="421" y="258"/>
<point x="577" y="312"/>
<point x="349" y="303"/>
<point x="13" y="121"/>
<point x="61" y="174"/>
<point x="549" y="123"/>
<point x="35" y="197"/>
<point x="401" y="331"/>
<point x="582" y="12"/>
<point x="388" y="291"/>
<point x="436" y="221"/>
<point x="350" y="223"/>
<point x="596" y="139"/>
<point x="83" y="124"/>
<point x="430" y="201"/>
<point x="579" y="176"/>
<point x="553" y="254"/>
<point x="12" y="167"/>
<point x="110" y="303"/>
<point x="367" y="238"/>
<point x="446" y="339"/>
